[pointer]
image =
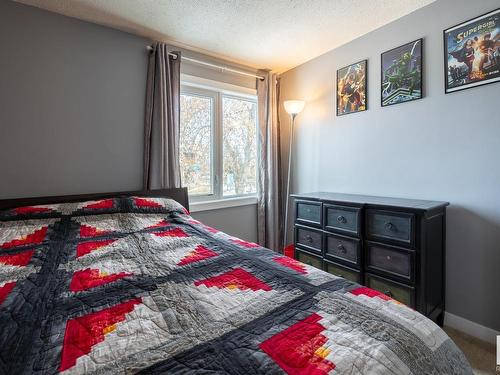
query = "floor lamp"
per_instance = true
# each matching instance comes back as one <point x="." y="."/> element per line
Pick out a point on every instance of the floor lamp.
<point x="293" y="108"/>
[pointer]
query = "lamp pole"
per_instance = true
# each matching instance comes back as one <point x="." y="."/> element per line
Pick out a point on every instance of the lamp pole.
<point x="293" y="108"/>
<point x="293" y="115"/>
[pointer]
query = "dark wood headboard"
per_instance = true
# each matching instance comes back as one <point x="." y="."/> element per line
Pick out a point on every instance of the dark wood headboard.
<point x="178" y="194"/>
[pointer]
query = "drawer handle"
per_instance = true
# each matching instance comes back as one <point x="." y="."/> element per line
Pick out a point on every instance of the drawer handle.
<point x="390" y="226"/>
<point x="388" y="293"/>
<point x="309" y="238"/>
<point x="388" y="257"/>
<point x="341" y="248"/>
<point x="341" y="219"/>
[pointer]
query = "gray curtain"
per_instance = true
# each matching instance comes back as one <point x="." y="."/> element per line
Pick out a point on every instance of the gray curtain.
<point x="270" y="207"/>
<point x="161" y="127"/>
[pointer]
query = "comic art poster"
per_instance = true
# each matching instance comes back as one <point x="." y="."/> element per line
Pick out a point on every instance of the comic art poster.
<point x="402" y="73"/>
<point x="351" y="88"/>
<point x="472" y="52"/>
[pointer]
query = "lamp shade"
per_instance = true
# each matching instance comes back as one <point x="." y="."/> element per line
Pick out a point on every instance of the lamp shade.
<point x="294" y="107"/>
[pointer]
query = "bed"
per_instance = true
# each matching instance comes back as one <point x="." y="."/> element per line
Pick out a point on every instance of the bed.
<point x="131" y="283"/>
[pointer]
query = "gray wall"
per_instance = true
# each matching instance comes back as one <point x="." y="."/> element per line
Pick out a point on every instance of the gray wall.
<point x="72" y="97"/>
<point x="71" y="105"/>
<point x="238" y="221"/>
<point x="216" y="74"/>
<point x="444" y="147"/>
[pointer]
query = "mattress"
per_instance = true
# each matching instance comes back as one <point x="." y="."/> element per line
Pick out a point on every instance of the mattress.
<point x="136" y="285"/>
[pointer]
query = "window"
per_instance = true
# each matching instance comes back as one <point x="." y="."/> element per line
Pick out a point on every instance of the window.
<point x="218" y="142"/>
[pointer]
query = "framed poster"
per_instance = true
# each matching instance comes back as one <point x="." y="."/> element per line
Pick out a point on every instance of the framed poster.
<point x="472" y="52"/>
<point x="401" y="74"/>
<point x="351" y="88"/>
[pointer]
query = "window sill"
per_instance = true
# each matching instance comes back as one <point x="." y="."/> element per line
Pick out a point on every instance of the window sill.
<point x="222" y="203"/>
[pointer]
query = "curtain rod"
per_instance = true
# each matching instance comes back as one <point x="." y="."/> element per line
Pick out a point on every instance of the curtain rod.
<point x="222" y="68"/>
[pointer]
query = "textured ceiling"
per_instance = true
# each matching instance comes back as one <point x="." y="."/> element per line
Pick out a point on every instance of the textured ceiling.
<point x="275" y="34"/>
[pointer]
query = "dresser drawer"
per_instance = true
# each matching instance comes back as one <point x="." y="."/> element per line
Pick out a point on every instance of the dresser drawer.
<point x="342" y="271"/>
<point x="393" y="226"/>
<point x="308" y="212"/>
<point x="402" y="293"/>
<point x="342" y="219"/>
<point x="391" y="260"/>
<point x="309" y="259"/>
<point x="343" y="248"/>
<point x="309" y="238"/>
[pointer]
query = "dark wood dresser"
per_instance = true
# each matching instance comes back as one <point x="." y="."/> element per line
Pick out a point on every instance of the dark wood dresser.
<point x="396" y="246"/>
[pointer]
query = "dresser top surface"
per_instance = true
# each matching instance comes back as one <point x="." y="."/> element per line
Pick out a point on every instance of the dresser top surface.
<point x="417" y="204"/>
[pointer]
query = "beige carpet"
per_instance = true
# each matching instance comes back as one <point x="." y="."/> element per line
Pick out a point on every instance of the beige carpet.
<point x="481" y="355"/>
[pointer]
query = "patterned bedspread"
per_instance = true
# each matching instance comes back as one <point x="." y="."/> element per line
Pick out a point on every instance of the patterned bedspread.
<point x="135" y="285"/>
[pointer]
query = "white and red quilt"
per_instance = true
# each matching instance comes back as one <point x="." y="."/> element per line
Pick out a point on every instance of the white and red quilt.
<point x="135" y="285"/>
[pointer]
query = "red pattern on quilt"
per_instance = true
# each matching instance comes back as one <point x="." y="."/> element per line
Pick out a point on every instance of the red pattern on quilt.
<point x="196" y="222"/>
<point x="199" y="253"/>
<point x="237" y="278"/>
<point x="31" y="239"/>
<point x="91" y="278"/>
<point x="5" y="290"/>
<point x="141" y="202"/>
<point x="88" y="231"/>
<point x="176" y="232"/>
<point x="84" y="248"/>
<point x="160" y="224"/>
<point x="104" y="204"/>
<point x="291" y="263"/>
<point x="299" y="348"/>
<point x="20" y="259"/>
<point x="31" y="210"/>
<point x="84" y="332"/>
<point x="210" y="229"/>
<point x="369" y="292"/>
<point x="243" y="243"/>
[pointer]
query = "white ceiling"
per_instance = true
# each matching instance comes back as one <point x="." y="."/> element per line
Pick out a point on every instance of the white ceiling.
<point x="275" y="34"/>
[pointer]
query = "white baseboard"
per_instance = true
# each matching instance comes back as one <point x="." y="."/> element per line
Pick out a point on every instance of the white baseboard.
<point x="471" y="328"/>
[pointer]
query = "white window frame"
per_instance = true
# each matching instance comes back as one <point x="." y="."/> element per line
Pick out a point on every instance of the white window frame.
<point x="191" y="85"/>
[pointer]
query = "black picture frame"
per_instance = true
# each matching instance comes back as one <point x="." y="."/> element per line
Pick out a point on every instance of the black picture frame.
<point x="364" y="80"/>
<point x="471" y="33"/>
<point x="416" y="50"/>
